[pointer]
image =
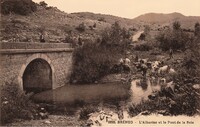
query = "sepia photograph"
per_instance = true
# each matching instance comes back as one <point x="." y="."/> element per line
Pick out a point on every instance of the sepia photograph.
<point x="100" y="63"/>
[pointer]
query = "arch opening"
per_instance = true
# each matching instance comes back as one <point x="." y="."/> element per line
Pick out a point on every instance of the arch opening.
<point x="37" y="76"/>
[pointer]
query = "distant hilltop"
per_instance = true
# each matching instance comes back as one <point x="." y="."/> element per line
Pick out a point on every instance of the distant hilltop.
<point x="161" y="18"/>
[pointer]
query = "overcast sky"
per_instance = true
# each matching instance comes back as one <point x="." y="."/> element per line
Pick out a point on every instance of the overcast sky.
<point x="127" y="8"/>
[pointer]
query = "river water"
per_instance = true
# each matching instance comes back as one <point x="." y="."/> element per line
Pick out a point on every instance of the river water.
<point x="141" y="89"/>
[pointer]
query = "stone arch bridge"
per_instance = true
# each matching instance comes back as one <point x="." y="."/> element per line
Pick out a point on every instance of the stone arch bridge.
<point x="35" y="66"/>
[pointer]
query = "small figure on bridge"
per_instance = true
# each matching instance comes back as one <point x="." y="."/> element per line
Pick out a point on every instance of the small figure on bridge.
<point x="42" y="37"/>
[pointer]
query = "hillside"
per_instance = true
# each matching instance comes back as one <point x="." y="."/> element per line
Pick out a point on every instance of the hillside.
<point x="105" y="18"/>
<point x="57" y="24"/>
<point x="54" y="22"/>
<point x="167" y="19"/>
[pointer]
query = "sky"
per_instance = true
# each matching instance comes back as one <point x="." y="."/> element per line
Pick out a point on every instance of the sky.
<point x="127" y="8"/>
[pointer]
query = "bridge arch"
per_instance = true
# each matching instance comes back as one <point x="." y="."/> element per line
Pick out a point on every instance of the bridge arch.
<point x="32" y="61"/>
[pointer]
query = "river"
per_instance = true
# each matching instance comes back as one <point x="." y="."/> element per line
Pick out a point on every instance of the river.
<point x="141" y="89"/>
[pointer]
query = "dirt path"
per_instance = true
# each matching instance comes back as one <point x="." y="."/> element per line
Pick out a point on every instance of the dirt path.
<point x="137" y="35"/>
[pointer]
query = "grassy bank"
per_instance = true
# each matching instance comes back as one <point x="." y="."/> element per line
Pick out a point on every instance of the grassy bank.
<point x="15" y="104"/>
<point x="185" y="100"/>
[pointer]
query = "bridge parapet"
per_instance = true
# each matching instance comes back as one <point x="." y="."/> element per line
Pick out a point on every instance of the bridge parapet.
<point x="33" y="47"/>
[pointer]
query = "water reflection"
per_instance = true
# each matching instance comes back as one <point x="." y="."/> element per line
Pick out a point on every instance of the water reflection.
<point x="141" y="89"/>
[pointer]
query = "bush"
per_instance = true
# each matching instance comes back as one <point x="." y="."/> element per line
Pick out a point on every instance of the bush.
<point x="197" y="29"/>
<point x="49" y="8"/>
<point x="176" y="39"/>
<point x="185" y="102"/>
<point x="102" y="19"/>
<point x="152" y="106"/>
<point x="81" y="27"/>
<point x="115" y="36"/>
<point x="43" y="4"/>
<point x="176" y="25"/>
<point x="85" y="111"/>
<point x="190" y="68"/>
<point x="187" y="75"/>
<point x="22" y="7"/>
<point x="91" y="62"/>
<point x="143" y="47"/>
<point x="94" y="25"/>
<point x="15" y="104"/>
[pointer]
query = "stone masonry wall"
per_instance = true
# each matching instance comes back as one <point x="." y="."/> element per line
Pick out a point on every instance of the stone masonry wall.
<point x="13" y="65"/>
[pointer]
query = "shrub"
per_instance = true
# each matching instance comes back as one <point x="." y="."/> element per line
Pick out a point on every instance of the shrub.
<point x="81" y="27"/>
<point x="152" y="106"/>
<point x="48" y="8"/>
<point x="176" y="39"/>
<point x="94" y="25"/>
<point x="176" y="25"/>
<point x="22" y="7"/>
<point x="69" y="39"/>
<point x="43" y="4"/>
<point x="190" y="67"/>
<point x="102" y="19"/>
<point x="91" y="62"/>
<point x="85" y="111"/>
<point x="187" y="75"/>
<point x="197" y="29"/>
<point x="143" y="47"/>
<point x="184" y="103"/>
<point x="15" y="104"/>
<point x="115" y="36"/>
<point x="189" y="72"/>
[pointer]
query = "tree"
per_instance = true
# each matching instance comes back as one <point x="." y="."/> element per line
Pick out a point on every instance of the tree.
<point x="145" y="35"/>
<point x="176" y="25"/>
<point x="81" y="27"/>
<point x="43" y="4"/>
<point x="146" y="29"/>
<point x="175" y="39"/>
<point x="22" y="7"/>
<point x="197" y="29"/>
<point x="94" y="26"/>
<point x="102" y="19"/>
<point x="115" y="35"/>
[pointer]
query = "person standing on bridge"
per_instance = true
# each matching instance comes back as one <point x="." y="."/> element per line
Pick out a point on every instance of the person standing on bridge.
<point x="80" y="42"/>
<point x="42" y="37"/>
